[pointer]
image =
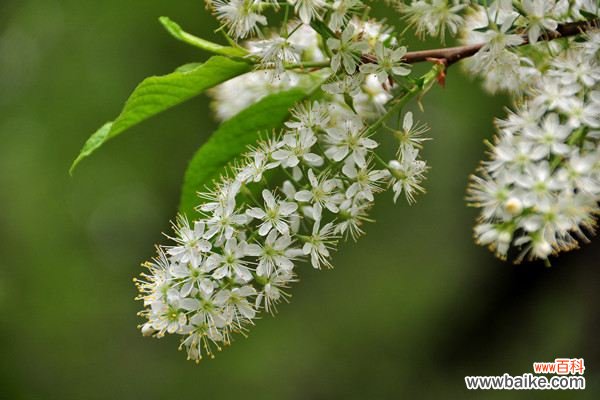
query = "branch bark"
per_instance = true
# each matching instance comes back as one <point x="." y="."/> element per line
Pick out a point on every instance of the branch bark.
<point x="451" y="55"/>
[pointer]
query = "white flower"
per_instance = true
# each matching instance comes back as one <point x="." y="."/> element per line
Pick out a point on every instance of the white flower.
<point x="255" y="167"/>
<point x="536" y="247"/>
<point x="490" y="194"/>
<point x="369" y="103"/>
<point x="191" y="244"/>
<point x="524" y="118"/>
<point x="551" y="93"/>
<point x="273" y="290"/>
<point x="582" y="112"/>
<point x="209" y="318"/>
<point x="296" y="146"/>
<point x="389" y="62"/>
<point x="236" y="302"/>
<point x="539" y="184"/>
<point x="538" y="192"/>
<point x="308" y="9"/>
<point x="550" y="137"/>
<point x="410" y="136"/>
<point x="231" y="263"/>
<point x="275" y="254"/>
<point x="373" y="31"/>
<point x="573" y="69"/>
<point x="347" y="51"/>
<point x="498" y="63"/>
<point x="200" y="339"/>
<point x="241" y="17"/>
<point x="275" y="53"/>
<point x="309" y="116"/>
<point x="192" y="277"/>
<point x="156" y="284"/>
<point x="221" y="197"/>
<point x="407" y="175"/>
<point x="497" y="238"/>
<point x="349" y="140"/>
<point x="500" y="67"/>
<point x="513" y="155"/>
<point x="432" y="17"/>
<point x="504" y="71"/>
<point x="319" y="244"/>
<point x="351" y="217"/>
<point x="538" y="13"/>
<point x="275" y="214"/>
<point x="365" y="182"/>
<point x="341" y="12"/>
<point x="171" y="317"/>
<point x="225" y="221"/>
<point x="349" y="84"/>
<point x="578" y="173"/>
<point x="322" y="193"/>
<point x="498" y="39"/>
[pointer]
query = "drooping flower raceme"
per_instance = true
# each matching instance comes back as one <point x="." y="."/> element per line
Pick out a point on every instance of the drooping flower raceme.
<point x="540" y="190"/>
<point x="243" y="253"/>
<point x="531" y="195"/>
<point x="301" y="190"/>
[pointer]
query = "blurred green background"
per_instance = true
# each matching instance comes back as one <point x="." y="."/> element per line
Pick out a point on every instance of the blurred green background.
<point x="408" y="311"/>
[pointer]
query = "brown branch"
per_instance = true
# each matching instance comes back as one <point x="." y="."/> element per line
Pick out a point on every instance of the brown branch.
<point x="451" y="55"/>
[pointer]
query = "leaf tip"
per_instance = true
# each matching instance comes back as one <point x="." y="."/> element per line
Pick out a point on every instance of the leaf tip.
<point x="74" y="164"/>
<point x="93" y="142"/>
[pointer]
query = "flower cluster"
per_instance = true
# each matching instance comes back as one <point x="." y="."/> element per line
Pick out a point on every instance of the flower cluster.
<point x="276" y="57"/>
<point x="541" y="187"/>
<point x="296" y="193"/>
<point x="502" y="27"/>
<point x="241" y="255"/>
<point x="299" y="191"/>
<point x="538" y="193"/>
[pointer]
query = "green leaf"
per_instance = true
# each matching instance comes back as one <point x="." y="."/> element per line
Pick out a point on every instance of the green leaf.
<point x="159" y="93"/>
<point x="175" y="30"/>
<point x="231" y="140"/>
<point x="187" y="67"/>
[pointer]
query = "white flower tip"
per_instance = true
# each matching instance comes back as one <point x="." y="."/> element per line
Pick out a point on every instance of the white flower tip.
<point x="147" y="329"/>
<point x="395" y="164"/>
<point x="542" y="249"/>
<point x="513" y="206"/>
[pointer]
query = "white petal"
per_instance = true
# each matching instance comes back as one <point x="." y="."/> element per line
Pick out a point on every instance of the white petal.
<point x="408" y="121"/>
<point x="303" y="195"/>
<point x="264" y="228"/>
<point x="269" y="199"/>
<point x="189" y="304"/>
<point x="287" y="208"/>
<point x="256" y="213"/>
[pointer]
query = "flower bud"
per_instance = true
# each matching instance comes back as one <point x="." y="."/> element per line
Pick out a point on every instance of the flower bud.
<point x="542" y="248"/>
<point x="147" y="329"/>
<point x="394" y="164"/>
<point x="513" y="206"/>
